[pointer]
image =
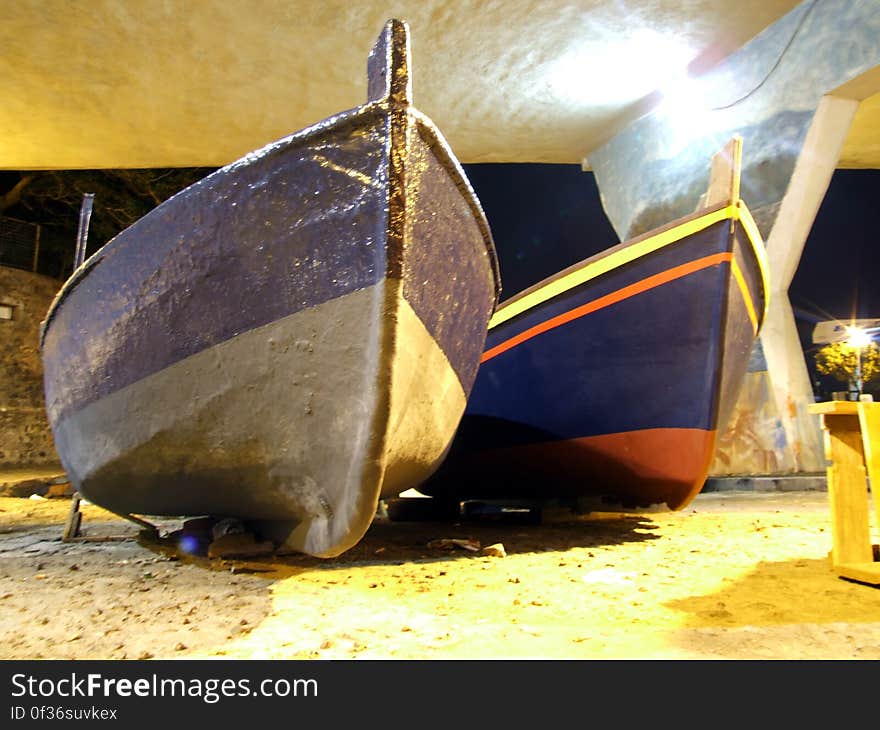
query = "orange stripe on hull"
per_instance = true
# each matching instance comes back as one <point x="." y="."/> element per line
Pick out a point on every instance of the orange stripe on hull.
<point x="651" y="282"/>
<point x="636" y="468"/>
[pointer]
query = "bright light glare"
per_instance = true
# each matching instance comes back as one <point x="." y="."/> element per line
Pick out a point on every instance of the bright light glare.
<point x="680" y="93"/>
<point x="685" y="111"/>
<point x="617" y="70"/>
<point x="857" y="337"/>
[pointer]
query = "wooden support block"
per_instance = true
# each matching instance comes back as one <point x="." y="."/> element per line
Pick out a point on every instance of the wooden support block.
<point x="847" y="491"/>
<point x="869" y="420"/>
<point x="852" y="448"/>
<point x="861" y="572"/>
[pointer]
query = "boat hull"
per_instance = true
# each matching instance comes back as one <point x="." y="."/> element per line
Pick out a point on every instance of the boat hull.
<point x="220" y="433"/>
<point x="283" y="342"/>
<point x="614" y="388"/>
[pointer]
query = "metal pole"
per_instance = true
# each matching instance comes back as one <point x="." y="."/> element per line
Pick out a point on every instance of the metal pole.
<point x="36" y="249"/>
<point x="85" y="213"/>
<point x="859" y="383"/>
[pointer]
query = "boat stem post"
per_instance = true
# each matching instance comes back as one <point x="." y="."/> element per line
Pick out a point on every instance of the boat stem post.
<point x="388" y="73"/>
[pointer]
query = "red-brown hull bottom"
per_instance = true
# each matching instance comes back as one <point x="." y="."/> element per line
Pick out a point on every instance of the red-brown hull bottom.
<point x="635" y="469"/>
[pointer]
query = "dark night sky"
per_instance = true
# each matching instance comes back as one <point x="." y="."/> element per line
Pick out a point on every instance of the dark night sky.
<point x="839" y="273"/>
<point x="543" y="218"/>
<point x="546" y="217"/>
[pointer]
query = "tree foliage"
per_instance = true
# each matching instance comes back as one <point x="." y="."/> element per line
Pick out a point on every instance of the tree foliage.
<point x="840" y="361"/>
<point x="53" y="199"/>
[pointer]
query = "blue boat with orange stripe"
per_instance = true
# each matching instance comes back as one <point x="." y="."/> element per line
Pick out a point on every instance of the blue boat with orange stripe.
<point x="612" y="378"/>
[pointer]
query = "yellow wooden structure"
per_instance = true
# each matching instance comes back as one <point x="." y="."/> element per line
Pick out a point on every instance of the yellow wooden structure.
<point x="852" y="450"/>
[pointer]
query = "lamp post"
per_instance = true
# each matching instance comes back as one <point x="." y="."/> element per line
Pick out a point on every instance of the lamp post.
<point x="858" y="339"/>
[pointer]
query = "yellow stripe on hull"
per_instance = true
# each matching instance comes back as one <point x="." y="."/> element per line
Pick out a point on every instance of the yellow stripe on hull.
<point x="638" y="249"/>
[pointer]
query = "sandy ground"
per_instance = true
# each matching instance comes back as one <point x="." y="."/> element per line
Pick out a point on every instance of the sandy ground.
<point x="733" y="576"/>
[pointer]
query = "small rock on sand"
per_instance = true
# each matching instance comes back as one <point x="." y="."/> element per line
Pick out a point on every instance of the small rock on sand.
<point x="495" y="551"/>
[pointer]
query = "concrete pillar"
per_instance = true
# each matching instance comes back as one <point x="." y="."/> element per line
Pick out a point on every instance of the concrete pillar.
<point x="791" y="389"/>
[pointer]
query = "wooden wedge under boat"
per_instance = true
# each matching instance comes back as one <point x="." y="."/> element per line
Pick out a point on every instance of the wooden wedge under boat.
<point x="286" y="340"/>
<point x="611" y="379"/>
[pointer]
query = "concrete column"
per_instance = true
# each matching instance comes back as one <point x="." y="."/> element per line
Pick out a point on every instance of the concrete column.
<point x="789" y="379"/>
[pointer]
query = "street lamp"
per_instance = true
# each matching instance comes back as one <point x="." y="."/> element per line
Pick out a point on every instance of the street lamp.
<point x="857" y="338"/>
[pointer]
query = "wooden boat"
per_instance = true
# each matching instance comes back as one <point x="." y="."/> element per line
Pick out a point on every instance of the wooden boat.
<point x="610" y="380"/>
<point x="287" y="339"/>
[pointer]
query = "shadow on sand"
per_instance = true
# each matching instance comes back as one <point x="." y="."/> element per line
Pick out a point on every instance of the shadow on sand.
<point x="390" y="542"/>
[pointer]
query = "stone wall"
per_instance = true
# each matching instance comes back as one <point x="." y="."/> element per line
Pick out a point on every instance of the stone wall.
<point x="25" y="436"/>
